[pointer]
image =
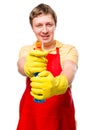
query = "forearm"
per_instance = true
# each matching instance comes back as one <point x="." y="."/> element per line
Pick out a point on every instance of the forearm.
<point x="20" y="65"/>
<point x="69" y="71"/>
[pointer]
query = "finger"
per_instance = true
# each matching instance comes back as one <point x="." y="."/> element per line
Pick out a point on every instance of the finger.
<point x="37" y="69"/>
<point x="40" y="81"/>
<point x="36" y="85"/>
<point x="37" y="91"/>
<point x="38" y="97"/>
<point x="43" y="73"/>
<point x="38" y="64"/>
<point x="39" y="59"/>
<point x="38" y="53"/>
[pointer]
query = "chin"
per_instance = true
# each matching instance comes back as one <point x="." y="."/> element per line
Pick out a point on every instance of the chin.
<point x="46" y="41"/>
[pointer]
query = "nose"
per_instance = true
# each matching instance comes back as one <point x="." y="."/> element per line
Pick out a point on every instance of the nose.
<point x="45" y="29"/>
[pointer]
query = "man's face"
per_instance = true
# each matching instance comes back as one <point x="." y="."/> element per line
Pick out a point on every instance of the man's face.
<point x="44" y="27"/>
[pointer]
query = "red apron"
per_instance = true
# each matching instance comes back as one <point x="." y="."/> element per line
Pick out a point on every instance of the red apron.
<point x="56" y="113"/>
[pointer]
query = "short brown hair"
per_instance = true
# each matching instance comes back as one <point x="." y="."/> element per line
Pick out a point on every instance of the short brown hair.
<point x="42" y="9"/>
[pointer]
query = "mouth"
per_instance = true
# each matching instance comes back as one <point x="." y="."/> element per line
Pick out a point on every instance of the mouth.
<point x="45" y="37"/>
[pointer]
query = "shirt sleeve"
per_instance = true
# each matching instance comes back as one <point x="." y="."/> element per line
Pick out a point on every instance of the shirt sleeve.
<point x="24" y="51"/>
<point x="69" y="52"/>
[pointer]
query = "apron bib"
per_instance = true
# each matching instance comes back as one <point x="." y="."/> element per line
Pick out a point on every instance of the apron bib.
<point x="56" y="113"/>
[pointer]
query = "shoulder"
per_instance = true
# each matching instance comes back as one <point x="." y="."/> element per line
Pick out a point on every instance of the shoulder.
<point x="25" y="50"/>
<point x="68" y="52"/>
<point x="66" y="48"/>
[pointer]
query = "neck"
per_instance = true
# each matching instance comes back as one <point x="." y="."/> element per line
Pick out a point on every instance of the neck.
<point x="49" y="46"/>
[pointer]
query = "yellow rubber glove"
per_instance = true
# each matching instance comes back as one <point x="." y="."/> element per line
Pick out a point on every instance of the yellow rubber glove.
<point x="35" y="62"/>
<point x="45" y="85"/>
<point x="38" y="53"/>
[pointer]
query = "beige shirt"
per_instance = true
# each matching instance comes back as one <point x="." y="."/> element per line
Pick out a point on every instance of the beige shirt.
<point x="67" y="52"/>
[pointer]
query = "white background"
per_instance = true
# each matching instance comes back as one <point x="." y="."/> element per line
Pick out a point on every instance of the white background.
<point x="16" y="32"/>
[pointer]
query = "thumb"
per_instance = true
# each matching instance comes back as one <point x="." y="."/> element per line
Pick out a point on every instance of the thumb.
<point x="44" y="73"/>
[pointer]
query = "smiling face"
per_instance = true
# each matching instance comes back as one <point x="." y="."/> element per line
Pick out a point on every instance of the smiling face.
<point x="44" y="27"/>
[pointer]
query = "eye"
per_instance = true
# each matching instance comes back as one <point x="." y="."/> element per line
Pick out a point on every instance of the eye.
<point x="39" y="25"/>
<point x="49" y="24"/>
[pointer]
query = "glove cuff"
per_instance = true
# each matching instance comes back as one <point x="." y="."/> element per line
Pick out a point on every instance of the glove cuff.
<point x="61" y="83"/>
<point x="27" y="72"/>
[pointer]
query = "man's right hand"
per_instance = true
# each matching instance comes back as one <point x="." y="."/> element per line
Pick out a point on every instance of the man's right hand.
<point x="35" y="62"/>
